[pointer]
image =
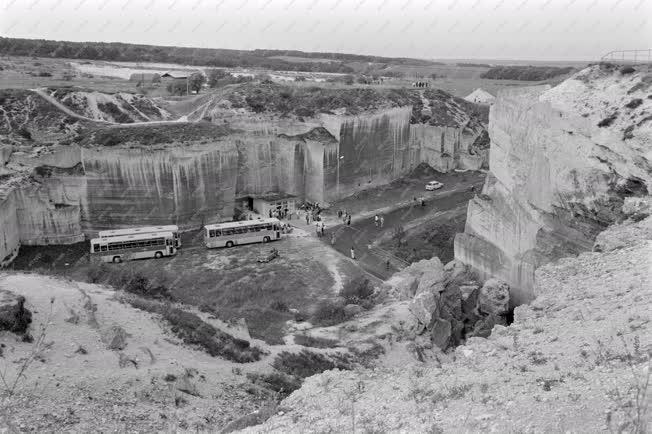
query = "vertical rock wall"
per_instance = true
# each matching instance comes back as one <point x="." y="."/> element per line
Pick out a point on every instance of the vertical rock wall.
<point x="9" y="232"/>
<point x="373" y="149"/>
<point x="559" y="175"/>
<point x="188" y="185"/>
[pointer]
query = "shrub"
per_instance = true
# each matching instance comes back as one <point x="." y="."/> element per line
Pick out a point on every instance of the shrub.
<point x="279" y="306"/>
<point x="357" y="290"/>
<point x="315" y="341"/>
<point x="634" y="103"/>
<point x="24" y="132"/>
<point x="627" y="70"/>
<point x="306" y="363"/>
<point x="97" y="273"/>
<point x="328" y="313"/>
<point x="277" y="382"/>
<point x="608" y="120"/>
<point x="193" y="330"/>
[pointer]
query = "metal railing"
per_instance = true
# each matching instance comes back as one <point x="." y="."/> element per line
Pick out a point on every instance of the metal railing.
<point x="628" y="56"/>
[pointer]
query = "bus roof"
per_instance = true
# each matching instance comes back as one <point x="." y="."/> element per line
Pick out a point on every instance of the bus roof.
<point x="138" y="230"/>
<point x="132" y="237"/>
<point x="242" y="223"/>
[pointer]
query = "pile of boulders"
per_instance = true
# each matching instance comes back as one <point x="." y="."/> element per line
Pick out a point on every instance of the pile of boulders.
<point x="448" y="303"/>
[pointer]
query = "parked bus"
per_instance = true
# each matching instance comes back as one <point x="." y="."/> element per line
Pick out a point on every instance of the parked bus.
<point x="243" y="232"/>
<point x="136" y="246"/>
<point x="144" y="230"/>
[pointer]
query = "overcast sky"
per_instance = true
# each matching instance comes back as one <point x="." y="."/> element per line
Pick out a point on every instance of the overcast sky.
<point x="480" y="29"/>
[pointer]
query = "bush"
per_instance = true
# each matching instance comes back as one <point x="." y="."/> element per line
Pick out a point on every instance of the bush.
<point x="634" y="103"/>
<point x="608" y="120"/>
<point x="307" y="363"/>
<point x="193" y="330"/>
<point x="279" y="306"/>
<point x="357" y="290"/>
<point x="328" y="313"/>
<point x="23" y="132"/>
<point x="315" y="341"/>
<point x="277" y="382"/>
<point x="627" y="70"/>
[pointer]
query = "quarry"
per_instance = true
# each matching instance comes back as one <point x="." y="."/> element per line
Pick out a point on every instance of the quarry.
<point x="516" y="298"/>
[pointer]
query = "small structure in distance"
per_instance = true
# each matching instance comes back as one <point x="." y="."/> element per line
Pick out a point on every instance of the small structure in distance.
<point x="480" y="96"/>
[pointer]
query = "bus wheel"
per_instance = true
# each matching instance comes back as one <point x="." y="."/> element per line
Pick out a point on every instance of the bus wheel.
<point x="265" y="239"/>
<point x="117" y="259"/>
<point x="229" y="244"/>
<point x="158" y="255"/>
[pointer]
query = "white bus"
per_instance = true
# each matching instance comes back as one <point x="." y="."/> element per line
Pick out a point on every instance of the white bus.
<point x="244" y="232"/>
<point x="144" y="230"/>
<point x="137" y="246"/>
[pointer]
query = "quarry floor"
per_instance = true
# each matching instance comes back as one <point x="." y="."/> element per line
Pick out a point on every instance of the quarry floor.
<point x="232" y="284"/>
<point x="427" y="230"/>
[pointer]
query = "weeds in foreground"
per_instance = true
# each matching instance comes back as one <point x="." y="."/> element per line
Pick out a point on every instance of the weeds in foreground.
<point x="8" y="383"/>
<point x="629" y="404"/>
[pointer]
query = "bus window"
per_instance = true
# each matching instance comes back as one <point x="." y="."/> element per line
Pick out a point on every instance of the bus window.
<point x="218" y="233"/>
<point x="269" y="227"/>
<point x="211" y="233"/>
<point x="96" y="247"/>
<point x="104" y="248"/>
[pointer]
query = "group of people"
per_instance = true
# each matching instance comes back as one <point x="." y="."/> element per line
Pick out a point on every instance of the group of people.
<point x="280" y="213"/>
<point x="320" y="227"/>
<point x="345" y="216"/>
<point x="379" y="221"/>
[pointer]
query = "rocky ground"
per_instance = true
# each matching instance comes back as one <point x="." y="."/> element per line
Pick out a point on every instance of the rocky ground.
<point x="574" y="360"/>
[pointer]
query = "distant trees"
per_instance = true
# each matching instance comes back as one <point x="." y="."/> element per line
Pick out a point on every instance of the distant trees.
<point x="349" y="79"/>
<point x="196" y="81"/>
<point x="300" y="78"/>
<point x="215" y="75"/>
<point x="525" y="73"/>
<point x="177" y="87"/>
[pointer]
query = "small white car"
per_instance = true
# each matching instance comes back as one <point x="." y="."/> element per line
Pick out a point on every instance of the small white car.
<point x="434" y="185"/>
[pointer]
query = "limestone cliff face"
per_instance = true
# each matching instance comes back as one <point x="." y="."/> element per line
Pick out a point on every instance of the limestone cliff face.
<point x="188" y="185"/>
<point x="378" y="136"/>
<point x="562" y="161"/>
<point x="40" y="203"/>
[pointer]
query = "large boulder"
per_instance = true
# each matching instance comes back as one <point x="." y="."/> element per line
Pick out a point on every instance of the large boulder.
<point x="440" y="333"/>
<point x="423" y="306"/>
<point x="14" y="317"/>
<point x="115" y="338"/>
<point x="494" y="297"/>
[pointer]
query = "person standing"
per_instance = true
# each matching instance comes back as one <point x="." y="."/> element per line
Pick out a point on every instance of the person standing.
<point x="382" y="221"/>
<point x="352" y="253"/>
<point x="323" y="226"/>
<point x="348" y="220"/>
<point x="376" y="220"/>
<point x="317" y="229"/>
<point x="332" y="238"/>
<point x="307" y="218"/>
